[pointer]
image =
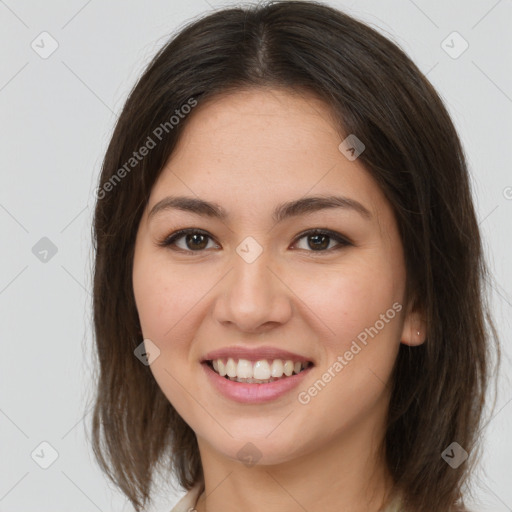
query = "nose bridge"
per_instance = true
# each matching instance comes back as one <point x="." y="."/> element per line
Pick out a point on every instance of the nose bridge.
<point x="252" y="294"/>
<point x="252" y="282"/>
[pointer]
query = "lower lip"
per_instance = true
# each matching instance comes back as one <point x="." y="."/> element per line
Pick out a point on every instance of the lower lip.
<point x="254" y="393"/>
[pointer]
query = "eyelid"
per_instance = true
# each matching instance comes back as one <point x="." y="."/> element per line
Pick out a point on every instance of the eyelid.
<point x="342" y="240"/>
<point x="171" y="239"/>
<point x="338" y="237"/>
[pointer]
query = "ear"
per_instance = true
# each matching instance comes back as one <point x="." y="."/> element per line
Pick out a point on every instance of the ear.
<point x="414" y="330"/>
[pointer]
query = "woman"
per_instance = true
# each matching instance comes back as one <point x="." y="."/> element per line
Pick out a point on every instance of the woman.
<point x="288" y="290"/>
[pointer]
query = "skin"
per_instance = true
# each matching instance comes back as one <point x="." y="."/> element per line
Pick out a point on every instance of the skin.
<point x="250" y="151"/>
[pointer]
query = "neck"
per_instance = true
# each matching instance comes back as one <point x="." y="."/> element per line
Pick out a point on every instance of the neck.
<point x="344" y="474"/>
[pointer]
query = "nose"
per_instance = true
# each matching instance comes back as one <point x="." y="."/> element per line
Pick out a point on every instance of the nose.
<point x="253" y="297"/>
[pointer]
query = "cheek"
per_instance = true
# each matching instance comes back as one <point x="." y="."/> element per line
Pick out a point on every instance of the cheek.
<point x="361" y="306"/>
<point x="165" y="299"/>
<point x="351" y="297"/>
<point x="153" y="300"/>
<point x="163" y="295"/>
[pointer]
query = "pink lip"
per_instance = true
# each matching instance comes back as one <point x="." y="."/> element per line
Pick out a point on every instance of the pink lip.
<point x="254" y="393"/>
<point x="254" y="354"/>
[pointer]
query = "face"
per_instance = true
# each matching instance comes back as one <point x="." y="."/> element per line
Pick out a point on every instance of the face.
<point x="260" y="286"/>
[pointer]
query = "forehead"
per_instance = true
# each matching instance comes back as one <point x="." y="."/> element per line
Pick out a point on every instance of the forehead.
<point x="276" y="118"/>
<point x="263" y="146"/>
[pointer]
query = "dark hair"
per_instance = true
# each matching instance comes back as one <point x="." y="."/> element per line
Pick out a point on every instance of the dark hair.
<point x="414" y="154"/>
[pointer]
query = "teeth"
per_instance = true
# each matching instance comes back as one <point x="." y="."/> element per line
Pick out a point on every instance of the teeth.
<point x="231" y="368"/>
<point x="244" y="369"/>
<point x="261" y="371"/>
<point x="288" y="368"/>
<point x="277" y="368"/>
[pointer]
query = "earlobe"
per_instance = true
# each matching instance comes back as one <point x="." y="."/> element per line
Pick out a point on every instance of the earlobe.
<point x="414" y="331"/>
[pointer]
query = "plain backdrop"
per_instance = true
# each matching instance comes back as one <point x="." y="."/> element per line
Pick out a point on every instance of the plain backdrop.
<point x="57" y="112"/>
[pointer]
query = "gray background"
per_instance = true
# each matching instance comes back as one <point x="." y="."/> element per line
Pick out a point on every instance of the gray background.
<point x="57" y="114"/>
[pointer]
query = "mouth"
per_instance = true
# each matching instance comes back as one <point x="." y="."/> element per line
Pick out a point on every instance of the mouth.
<point x="261" y="371"/>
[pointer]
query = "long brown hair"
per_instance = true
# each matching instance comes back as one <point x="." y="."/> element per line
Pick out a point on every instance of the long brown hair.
<point x="412" y="151"/>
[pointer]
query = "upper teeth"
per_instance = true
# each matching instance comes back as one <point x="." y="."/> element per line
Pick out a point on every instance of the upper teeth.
<point x="260" y="370"/>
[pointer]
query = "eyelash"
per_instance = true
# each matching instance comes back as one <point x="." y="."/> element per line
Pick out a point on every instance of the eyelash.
<point x="170" y="240"/>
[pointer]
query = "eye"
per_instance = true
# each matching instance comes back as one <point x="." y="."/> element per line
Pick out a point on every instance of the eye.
<point x="319" y="240"/>
<point x="196" y="240"/>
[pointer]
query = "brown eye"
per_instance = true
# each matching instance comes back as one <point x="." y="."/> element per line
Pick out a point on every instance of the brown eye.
<point x="194" y="240"/>
<point x="319" y="240"/>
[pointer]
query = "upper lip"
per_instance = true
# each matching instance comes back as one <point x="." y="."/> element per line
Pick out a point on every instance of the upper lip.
<point x="254" y="354"/>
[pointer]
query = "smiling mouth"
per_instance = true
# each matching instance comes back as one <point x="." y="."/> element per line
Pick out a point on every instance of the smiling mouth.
<point x="263" y="371"/>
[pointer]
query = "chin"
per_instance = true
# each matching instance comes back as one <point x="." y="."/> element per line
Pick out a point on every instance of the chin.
<point x="261" y="450"/>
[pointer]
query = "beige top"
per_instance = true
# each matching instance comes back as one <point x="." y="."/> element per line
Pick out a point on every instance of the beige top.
<point x="188" y="502"/>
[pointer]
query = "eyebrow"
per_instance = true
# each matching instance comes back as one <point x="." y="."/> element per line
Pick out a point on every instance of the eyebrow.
<point x="283" y="211"/>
